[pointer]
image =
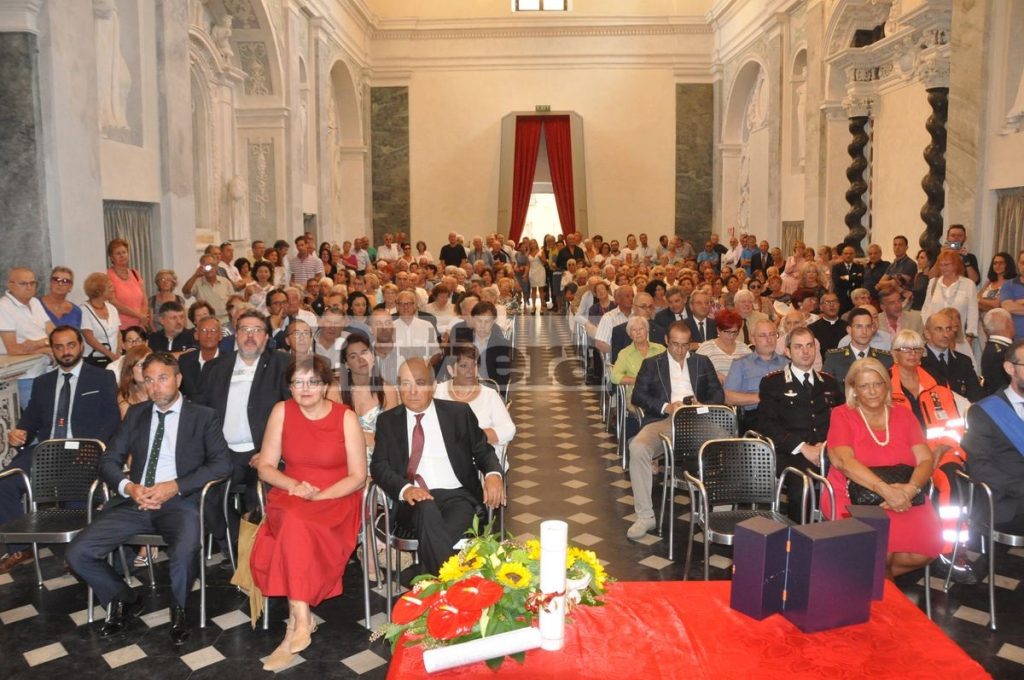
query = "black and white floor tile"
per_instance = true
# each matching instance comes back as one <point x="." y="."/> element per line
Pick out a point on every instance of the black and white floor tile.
<point x="564" y="465"/>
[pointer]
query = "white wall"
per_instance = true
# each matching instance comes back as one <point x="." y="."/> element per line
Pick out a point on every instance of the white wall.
<point x="455" y="145"/>
<point x="898" y="165"/>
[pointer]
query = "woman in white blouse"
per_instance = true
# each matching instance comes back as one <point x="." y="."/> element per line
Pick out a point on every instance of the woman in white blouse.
<point x="100" y="321"/>
<point x="486" y="403"/>
<point x="952" y="289"/>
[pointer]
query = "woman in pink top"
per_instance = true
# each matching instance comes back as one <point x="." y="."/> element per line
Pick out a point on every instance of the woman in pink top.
<point x="129" y="298"/>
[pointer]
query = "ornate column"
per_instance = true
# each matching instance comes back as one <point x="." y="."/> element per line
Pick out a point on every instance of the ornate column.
<point x="934" y="73"/>
<point x="858" y="110"/>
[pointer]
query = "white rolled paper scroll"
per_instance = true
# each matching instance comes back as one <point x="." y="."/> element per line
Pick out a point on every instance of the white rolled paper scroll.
<point x="554" y="543"/>
<point x="475" y="651"/>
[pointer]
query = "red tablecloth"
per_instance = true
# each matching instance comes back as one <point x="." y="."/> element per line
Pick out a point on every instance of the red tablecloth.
<point x="687" y="630"/>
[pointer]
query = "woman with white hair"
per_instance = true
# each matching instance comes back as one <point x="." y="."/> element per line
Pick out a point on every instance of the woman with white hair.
<point x="627" y="365"/>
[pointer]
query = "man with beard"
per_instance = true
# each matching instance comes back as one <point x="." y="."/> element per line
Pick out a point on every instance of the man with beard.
<point x="76" y="400"/>
<point x="242" y="387"/>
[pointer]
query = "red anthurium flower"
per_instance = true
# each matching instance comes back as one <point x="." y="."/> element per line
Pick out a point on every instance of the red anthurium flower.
<point x="410" y="607"/>
<point x="445" y="621"/>
<point x="474" y="592"/>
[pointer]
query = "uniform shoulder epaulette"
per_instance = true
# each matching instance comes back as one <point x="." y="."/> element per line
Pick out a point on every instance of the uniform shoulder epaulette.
<point x="884" y="352"/>
<point x="837" y="350"/>
<point x="778" y="372"/>
<point x="827" y="374"/>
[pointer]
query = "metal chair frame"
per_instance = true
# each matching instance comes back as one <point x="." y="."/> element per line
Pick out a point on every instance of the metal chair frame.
<point x="989" y="535"/>
<point x="374" y="500"/>
<point x="151" y="540"/>
<point x="692" y="426"/>
<point x="754" y="457"/>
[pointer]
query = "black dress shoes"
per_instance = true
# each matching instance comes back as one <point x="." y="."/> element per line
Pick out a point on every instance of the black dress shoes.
<point x="179" y="629"/>
<point x="120" y="612"/>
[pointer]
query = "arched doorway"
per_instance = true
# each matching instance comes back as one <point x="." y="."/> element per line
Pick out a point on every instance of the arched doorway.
<point x="745" y="145"/>
<point x="347" y="157"/>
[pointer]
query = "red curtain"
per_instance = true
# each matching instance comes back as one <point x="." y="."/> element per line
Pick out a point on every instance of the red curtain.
<point x="559" y="144"/>
<point x="528" y="130"/>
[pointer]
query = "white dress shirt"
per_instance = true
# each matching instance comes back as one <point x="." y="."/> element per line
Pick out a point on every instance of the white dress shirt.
<point x="415" y="338"/>
<point x="75" y="373"/>
<point x="237" y="430"/>
<point x="679" y="378"/>
<point x="166" y="466"/>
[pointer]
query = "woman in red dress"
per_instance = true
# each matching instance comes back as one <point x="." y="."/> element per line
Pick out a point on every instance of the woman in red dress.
<point x="313" y="509"/>
<point x="869" y="431"/>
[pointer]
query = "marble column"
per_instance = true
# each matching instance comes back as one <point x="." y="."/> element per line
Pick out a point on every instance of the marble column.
<point x="970" y="81"/>
<point x="694" y="159"/>
<point x="389" y="157"/>
<point x="858" y="110"/>
<point x="174" y="80"/>
<point x="934" y="73"/>
<point x="23" y="226"/>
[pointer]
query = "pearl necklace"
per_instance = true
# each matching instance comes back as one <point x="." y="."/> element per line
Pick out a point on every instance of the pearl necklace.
<point x="465" y="397"/>
<point x="872" y="432"/>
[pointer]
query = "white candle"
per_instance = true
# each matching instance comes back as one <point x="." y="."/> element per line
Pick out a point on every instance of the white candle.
<point x="474" y="651"/>
<point x="554" y="543"/>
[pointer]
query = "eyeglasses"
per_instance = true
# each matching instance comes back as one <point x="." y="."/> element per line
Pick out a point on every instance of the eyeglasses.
<point x="24" y="284"/>
<point x="300" y="384"/>
<point x="910" y="350"/>
<point x="302" y="334"/>
<point x="209" y="331"/>
<point x="61" y="280"/>
<point x="251" y="330"/>
<point x="734" y="331"/>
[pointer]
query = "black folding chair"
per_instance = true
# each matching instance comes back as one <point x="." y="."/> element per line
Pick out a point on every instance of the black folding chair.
<point x="734" y="472"/>
<point x="692" y="426"/>
<point x="63" y="473"/>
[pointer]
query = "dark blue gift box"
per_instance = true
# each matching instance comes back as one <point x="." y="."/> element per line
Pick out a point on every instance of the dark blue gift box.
<point x="759" y="567"/>
<point x="876" y="518"/>
<point x="819" y="576"/>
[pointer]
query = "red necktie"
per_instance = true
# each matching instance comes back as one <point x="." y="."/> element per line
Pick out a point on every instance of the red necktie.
<point x="417" y="453"/>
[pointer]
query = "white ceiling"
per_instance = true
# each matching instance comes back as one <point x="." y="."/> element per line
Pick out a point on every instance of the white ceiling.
<point x="502" y="9"/>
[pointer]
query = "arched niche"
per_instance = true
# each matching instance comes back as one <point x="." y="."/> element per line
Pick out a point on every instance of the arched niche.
<point x="745" y="151"/>
<point x="347" y="156"/>
<point x="798" y="109"/>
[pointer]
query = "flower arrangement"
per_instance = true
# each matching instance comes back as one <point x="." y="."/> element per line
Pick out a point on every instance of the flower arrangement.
<point x="490" y="586"/>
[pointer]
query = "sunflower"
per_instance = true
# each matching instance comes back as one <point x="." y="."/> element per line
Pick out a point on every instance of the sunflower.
<point x="451" y="570"/>
<point x="533" y="549"/>
<point x="514" y="575"/>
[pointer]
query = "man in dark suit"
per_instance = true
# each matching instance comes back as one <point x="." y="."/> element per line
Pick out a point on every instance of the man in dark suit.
<point x="665" y="382"/>
<point x="795" y="405"/>
<point x="176" y="447"/>
<point x="173" y="337"/>
<point x="947" y="366"/>
<point x="846" y="276"/>
<point x="999" y="332"/>
<point x="492" y="346"/>
<point x="762" y="258"/>
<point x="643" y="305"/>
<point x="994" y="443"/>
<point x="75" y="400"/>
<point x="427" y="458"/>
<point x="702" y="327"/>
<point x="676" y="310"/>
<point x="190" y="364"/>
<point x="242" y="387"/>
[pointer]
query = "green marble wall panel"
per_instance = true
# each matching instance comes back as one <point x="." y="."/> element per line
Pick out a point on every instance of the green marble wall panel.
<point x="23" y="226"/>
<point x="389" y="160"/>
<point x="694" y="161"/>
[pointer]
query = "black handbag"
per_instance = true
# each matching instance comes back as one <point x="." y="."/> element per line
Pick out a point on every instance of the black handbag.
<point x="890" y="474"/>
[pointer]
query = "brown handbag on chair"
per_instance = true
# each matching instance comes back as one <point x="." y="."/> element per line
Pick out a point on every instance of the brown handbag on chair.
<point x="243" y="576"/>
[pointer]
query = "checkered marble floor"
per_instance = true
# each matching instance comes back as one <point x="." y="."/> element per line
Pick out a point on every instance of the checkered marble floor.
<point x="564" y="465"/>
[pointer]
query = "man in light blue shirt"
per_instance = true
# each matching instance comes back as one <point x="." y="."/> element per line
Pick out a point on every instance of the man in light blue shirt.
<point x="744" y="379"/>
